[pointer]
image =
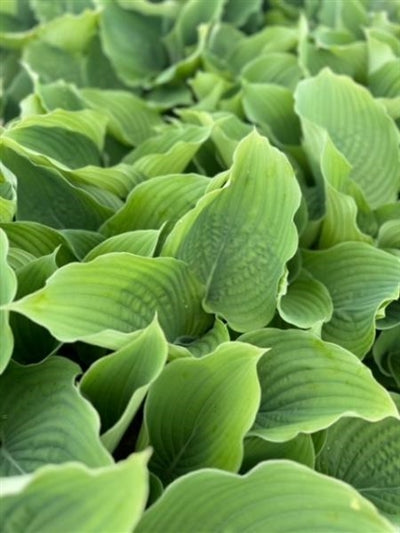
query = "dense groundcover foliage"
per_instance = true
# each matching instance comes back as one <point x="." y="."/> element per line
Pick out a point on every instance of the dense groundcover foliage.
<point x="200" y="266"/>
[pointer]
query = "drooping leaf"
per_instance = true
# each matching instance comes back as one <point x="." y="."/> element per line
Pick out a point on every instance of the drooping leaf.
<point x="360" y="279"/>
<point x="73" y="497"/>
<point x="139" y="242"/>
<point x="158" y="201"/>
<point x="44" y="420"/>
<point x="118" y="292"/>
<point x="307" y="384"/>
<point x="274" y="496"/>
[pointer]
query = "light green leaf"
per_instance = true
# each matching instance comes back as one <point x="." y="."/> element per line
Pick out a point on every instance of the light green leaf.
<point x="132" y="42"/>
<point x="117" y="384"/>
<point x="274" y="496"/>
<point x="279" y="68"/>
<point x="70" y="32"/>
<point x="389" y="234"/>
<point x="360" y="129"/>
<point x="257" y="450"/>
<point x="118" y="292"/>
<point x="18" y="258"/>
<point x="119" y="179"/>
<point x="73" y="497"/>
<point x="269" y="39"/>
<point x="157" y="201"/>
<point x="199" y="410"/>
<point x="8" y="289"/>
<point x="45" y="420"/>
<point x="272" y="107"/>
<point x="169" y="152"/>
<point x="306" y="303"/>
<point x="45" y="10"/>
<point x="361" y="280"/>
<point x="140" y="242"/>
<point x="308" y="384"/>
<point x="131" y="120"/>
<point x="37" y="240"/>
<point x="366" y="456"/>
<point x="76" y="136"/>
<point x="233" y="240"/>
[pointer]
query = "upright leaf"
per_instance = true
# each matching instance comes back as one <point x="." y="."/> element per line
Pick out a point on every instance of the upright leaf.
<point x="235" y="241"/>
<point x="8" y="289"/>
<point x="199" y="410"/>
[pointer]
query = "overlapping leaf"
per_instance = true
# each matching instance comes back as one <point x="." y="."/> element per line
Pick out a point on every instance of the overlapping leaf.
<point x="45" y="420"/>
<point x="234" y="241"/>
<point x="73" y="497"/>
<point x="269" y="501"/>
<point x="308" y="384"/>
<point x="199" y="410"/>
<point x="118" y="292"/>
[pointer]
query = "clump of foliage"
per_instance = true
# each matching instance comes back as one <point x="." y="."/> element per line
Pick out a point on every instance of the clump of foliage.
<point x="200" y="266"/>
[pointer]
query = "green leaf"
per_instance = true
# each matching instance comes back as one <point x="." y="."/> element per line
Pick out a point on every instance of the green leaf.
<point x="279" y="68"/>
<point x="119" y="179"/>
<point x="131" y="120"/>
<point x="118" y="292"/>
<point x="66" y="139"/>
<point x="184" y="33"/>
<point x="199" y="410"/>
<point x="37" y="239"/>
<point x="132" y="42"/>
<point x="272" y="107"/>
<point x="310" y="391"/>
<point x="233" y="240"/>
<point x="386" y="353"/>
<point x="73" y="497"/>
<point x="306" y="303"/>
<point x="140" y="242"/>
<point x="208" y="342"/>
<point x="82" y="241"/>
<point x="360" y="129"/>
<point x="158" y="201"/>
<point x="45" y="420"/>
<point x="170" y="152"/>
<point x="32" y="343"/>
<point x="8" y="289"/>
<point x="366" y="456"/>
<point x="361" y="280"/>
<point x="257" y="450"/>
<point x="117" y="384"/>
<point x="274" y="496"/>
<point x="45" y="196"/>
